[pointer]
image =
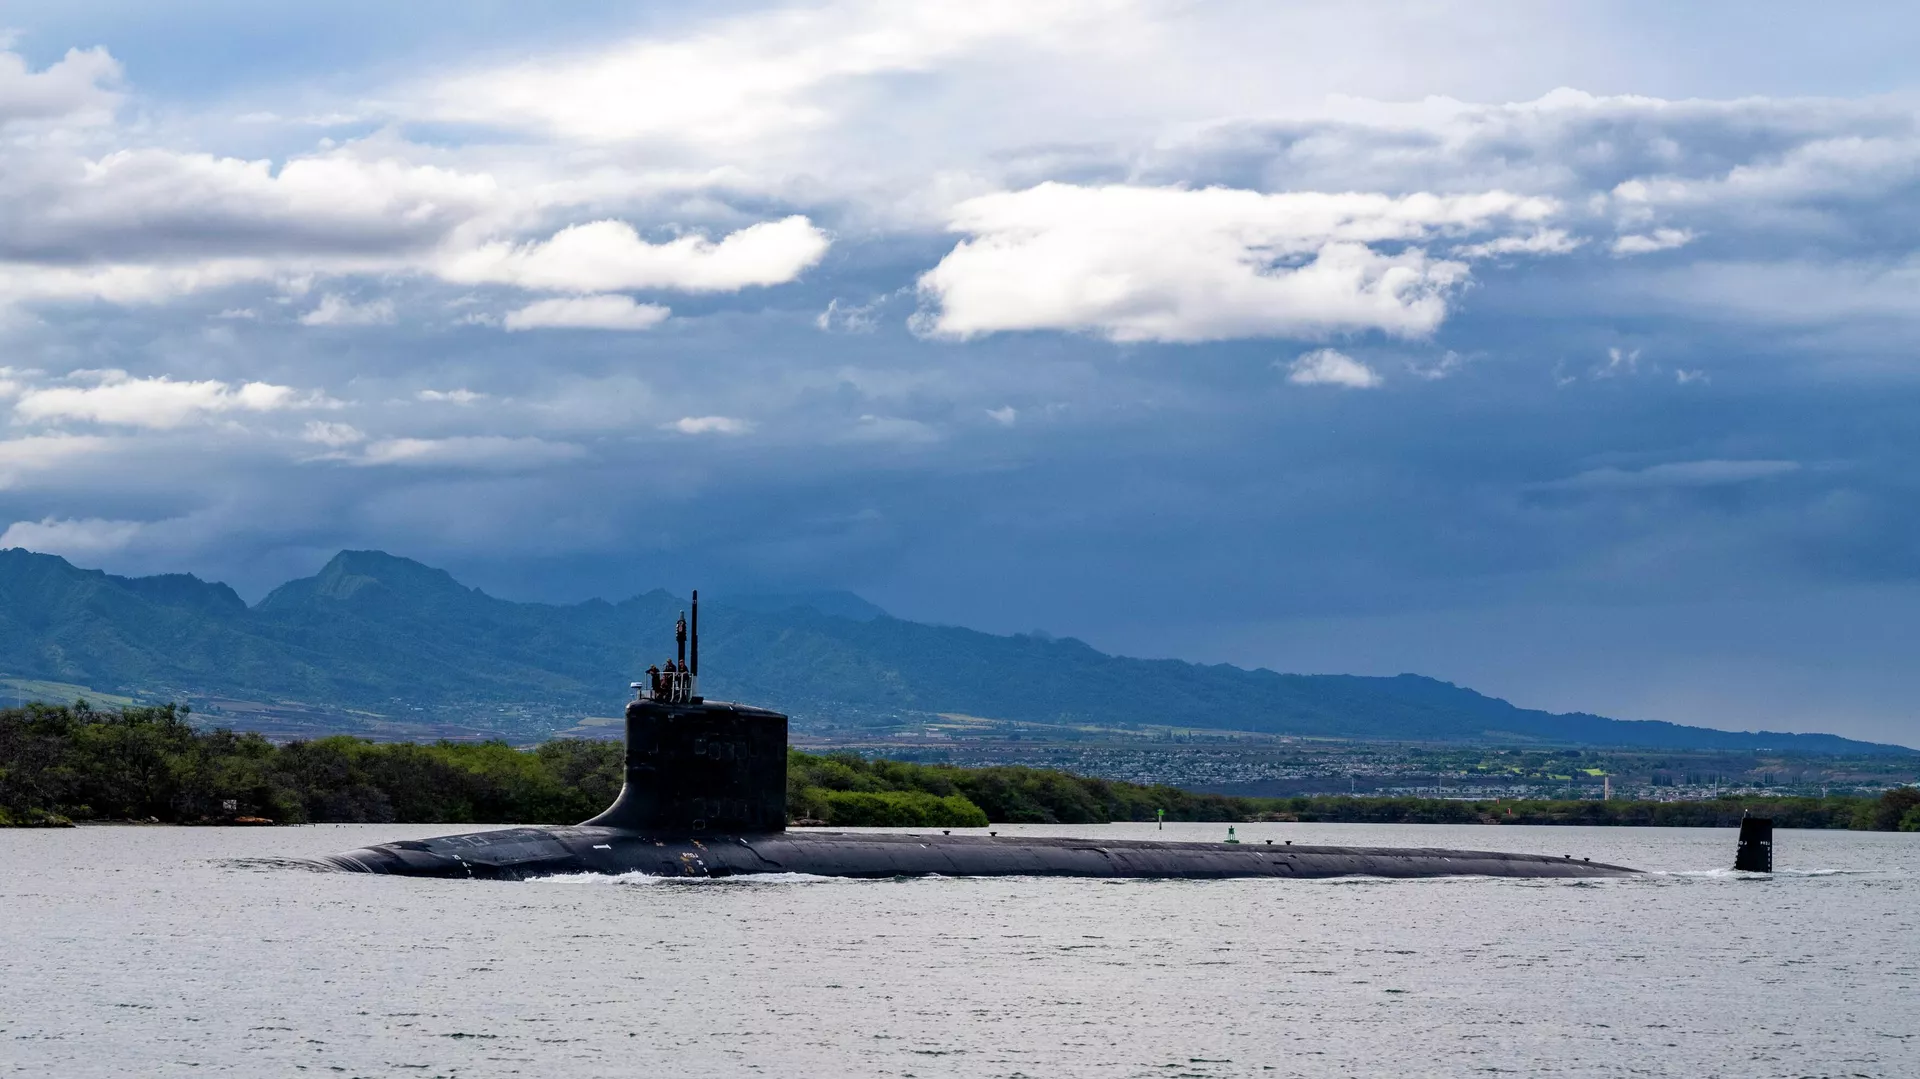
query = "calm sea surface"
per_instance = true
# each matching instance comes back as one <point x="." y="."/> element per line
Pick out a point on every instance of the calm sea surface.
<point x="131" y="951"/>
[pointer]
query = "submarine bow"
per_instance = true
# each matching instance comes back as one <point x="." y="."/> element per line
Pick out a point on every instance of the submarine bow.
<point x="705" y="796"/>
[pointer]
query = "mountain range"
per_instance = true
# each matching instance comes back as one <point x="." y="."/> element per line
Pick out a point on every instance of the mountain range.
<point x="377" y="643"/>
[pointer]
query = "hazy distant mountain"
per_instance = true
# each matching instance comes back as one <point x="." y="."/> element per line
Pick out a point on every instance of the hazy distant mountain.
<point x="839" y="604"/>
<point x="378" y="634"/>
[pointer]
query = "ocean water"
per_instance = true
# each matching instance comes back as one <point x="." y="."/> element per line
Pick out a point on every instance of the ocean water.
<point x="151" y="951"/>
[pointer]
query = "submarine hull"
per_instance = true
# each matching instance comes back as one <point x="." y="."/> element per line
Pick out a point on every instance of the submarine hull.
<point x="706" y="796"/>
<point x="520" y="853"/>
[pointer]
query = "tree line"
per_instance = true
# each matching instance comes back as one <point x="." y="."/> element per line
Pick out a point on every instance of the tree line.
<point x="75" y="762"/>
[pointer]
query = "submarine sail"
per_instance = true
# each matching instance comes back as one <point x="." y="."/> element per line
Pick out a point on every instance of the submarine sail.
<point x="705" y="796"/>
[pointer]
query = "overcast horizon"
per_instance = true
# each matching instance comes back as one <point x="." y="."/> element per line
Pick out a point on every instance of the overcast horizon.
<point x="1565" y="354"/>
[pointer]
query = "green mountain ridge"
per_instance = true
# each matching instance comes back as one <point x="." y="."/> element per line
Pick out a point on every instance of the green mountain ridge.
<point x="375" y="633"/>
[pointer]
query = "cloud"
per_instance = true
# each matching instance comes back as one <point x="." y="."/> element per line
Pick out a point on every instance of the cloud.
<point x="1538" y="242"/>
<point x="154" y="206"/>
<point x="73" y="538"/>
<point x="1327" y="367"/>
<point x="1829" y="163"/>
<point x="710" y="425"/>
<point x="1005" y="415"/>
<point x="76" y="88"/>
<point x="1658" y="240"/>
<point x="336" y="310"/>
<point x="1633" y="155"/>
<point x="123" y="283"/>
<point x="1620" y="361"/>
<point x="608" y="312"/>
<point x="1435" y="370"/>
<point x="872" y="428"/>
<point x="151" y="224"/>
<point x="36" y="453"/>
<point x="609" y="255"/>
<point x="1707" y="473"/>
<point x="756" y="77"/>
<point x="1169" y="264"/>
<point x="332" y="435"/>
<point x="847" y="318"/>
<point x="476" y="451"/>
<point x="158" y="402"/>
<point x="458" y="397"/>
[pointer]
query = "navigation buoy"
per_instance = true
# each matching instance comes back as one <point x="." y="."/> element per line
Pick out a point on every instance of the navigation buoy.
<point x="1230" y="836"/>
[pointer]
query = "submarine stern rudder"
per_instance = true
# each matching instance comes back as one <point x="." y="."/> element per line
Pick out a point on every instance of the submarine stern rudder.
<point x="1755" y="854"/>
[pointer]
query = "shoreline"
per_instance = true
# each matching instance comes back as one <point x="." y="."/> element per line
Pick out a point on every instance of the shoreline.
<point x="74" y="764"/>
<point x="961" y="829"/>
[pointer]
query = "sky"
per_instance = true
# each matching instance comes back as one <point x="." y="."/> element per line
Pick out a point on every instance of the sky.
<point x="1563" y="351"/>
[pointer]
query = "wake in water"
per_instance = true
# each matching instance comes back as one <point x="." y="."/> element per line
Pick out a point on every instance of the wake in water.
<point x="268" y="865"/>
<point x="1740" y="874"/>
<point x="309" y="865"/>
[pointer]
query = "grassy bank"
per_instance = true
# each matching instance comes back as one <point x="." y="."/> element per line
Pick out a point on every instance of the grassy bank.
<point x="80" y="763"/>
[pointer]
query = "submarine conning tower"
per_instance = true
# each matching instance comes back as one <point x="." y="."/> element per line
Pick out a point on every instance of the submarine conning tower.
<point x="698" y="767"/>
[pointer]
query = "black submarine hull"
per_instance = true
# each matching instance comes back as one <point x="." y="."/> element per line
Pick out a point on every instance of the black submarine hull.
<point x="521" y="853"/>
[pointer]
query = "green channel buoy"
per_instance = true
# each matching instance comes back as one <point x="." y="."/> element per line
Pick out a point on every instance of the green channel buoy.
<point x="1231" y="838"/>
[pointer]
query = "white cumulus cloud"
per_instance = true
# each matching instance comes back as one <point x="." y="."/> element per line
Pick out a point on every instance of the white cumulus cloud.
<point x="158" y="402"/>
<point x="39" y="453"/>
<point x="460" y="396"/>
<point x="1171" y="264"/>
<point x="747" y="78"/>
<point x="1329" y="367"/>
<point x="77" y="87"/>
<point x="847" y="317"/>
<point x="337" y="310"/>
<point x="608" y="312"/>
<point x="71" y="537"/>
<point x="710" y="425"/>
<point x="1657" y="240"/>
<point x="152" y="205"/>
<point x="607" y="255"/>
<point x="332" y="435"/>
<point x="150" y="223"/>
<point x="476" y="451"/>
<point x="1538" y="242"/>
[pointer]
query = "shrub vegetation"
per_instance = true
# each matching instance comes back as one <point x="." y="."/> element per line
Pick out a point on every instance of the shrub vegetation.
<point x="60" y="762"/>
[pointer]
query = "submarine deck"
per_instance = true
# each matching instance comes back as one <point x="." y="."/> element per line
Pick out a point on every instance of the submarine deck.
<point x="514" y="853"/>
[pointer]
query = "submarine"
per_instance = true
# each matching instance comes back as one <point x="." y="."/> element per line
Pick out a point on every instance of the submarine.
<point x="705" y="796"/>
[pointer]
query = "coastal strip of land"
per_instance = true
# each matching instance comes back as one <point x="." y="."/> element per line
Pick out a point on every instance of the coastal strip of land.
<point x="61" y="764"/>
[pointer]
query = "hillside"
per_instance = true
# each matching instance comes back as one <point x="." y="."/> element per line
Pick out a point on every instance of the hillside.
<point x="390" y="640"/>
